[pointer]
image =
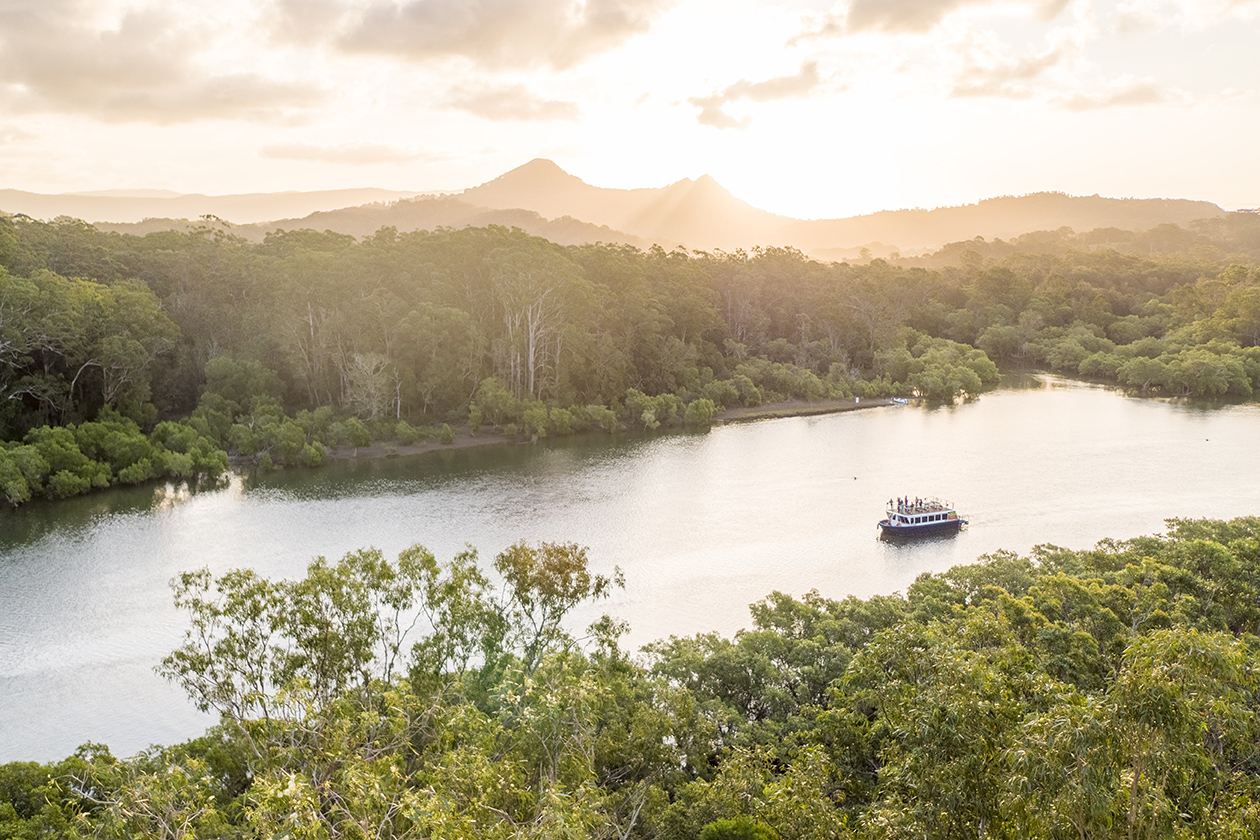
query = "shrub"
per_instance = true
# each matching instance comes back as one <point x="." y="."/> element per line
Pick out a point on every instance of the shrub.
<point x="406" y="433"/>
<point x="700" y="412"/>
<point x="495" y="401"/>
<point x="57" y="447"/>
<point x="313" y="454"/>
<point x="448" y="434"/>
<point x="32" y="466"/>
<point x="141" y="470"/>
<point x="242" y="440"/>
<point x="290" y="440"/>
<point x="723" y="392"/>
<point x="534" y="419"/>
<point x="357" y="434"/>
<point x="603" y="417"/>
<point x="13" y="484"/>
<point x="561" y="421"/>
<point x="176" y="437"/>
<point x="176" y="464"/>
<point x="739" y="828"/>
<point x="63" y="484"/>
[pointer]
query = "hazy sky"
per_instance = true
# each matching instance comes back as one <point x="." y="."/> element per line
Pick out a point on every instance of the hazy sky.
<point x="811" y="109"/>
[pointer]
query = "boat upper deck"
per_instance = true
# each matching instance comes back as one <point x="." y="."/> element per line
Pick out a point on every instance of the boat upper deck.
<point x="916" y="505"/>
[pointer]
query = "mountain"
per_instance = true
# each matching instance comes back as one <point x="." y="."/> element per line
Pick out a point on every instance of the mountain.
<point x="995" y="218"/>
<point x="240" y="209"/>
<point x="129" y="193"/>
<point x="700" y="213"/>
<point x="543" y="199"/>
<point x="409" y="214"/>
<point x="703" y="215"/>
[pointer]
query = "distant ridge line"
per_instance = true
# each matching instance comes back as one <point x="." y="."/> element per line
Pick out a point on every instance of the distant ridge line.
<point x="545" y="200"/>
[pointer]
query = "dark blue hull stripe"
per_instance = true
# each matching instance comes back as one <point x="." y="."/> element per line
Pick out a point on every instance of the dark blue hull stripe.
<point x="924" y="528"/>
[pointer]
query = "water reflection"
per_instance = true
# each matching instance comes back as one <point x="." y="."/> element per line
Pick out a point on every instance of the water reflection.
<point x="910" y="541"/>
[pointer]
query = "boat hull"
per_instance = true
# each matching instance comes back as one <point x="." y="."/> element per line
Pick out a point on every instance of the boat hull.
<point x="925" y="529"/>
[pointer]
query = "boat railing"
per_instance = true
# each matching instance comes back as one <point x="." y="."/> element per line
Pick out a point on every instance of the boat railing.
<point x="921" y="506"/>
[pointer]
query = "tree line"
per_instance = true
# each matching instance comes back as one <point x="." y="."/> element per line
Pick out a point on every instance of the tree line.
<point x="1103" y="693"/>
<point x="279" y="351"/>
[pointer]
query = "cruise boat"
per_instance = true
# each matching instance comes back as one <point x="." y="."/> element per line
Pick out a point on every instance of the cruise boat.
<point x="919" y="517"/>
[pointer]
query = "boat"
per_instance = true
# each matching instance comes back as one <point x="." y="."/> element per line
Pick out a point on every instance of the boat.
<point x="919" y="518"/>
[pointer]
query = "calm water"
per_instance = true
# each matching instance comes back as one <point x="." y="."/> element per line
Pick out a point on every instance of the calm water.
<point x="701" y="524"/>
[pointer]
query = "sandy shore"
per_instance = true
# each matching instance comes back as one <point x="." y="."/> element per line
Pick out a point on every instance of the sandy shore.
<point x="465" y="439"/>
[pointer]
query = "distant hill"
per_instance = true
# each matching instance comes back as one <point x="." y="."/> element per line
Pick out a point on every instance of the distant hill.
<point x="136" y="205"/>
<point x="410" y="214"/>
<point x="702" y="214"/>
<point x="698" y="213"/>
<point x="543" y="199"/>
<point x="996" y="218"/>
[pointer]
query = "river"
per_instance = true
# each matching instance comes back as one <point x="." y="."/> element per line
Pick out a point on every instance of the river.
<point x="702" y="524"/>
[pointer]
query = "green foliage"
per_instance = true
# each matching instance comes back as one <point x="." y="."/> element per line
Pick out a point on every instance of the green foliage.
<point x="739" y="828"/>
<point x="700" y="412"/>
<point x="535" y="420"/>
<point x="357" y="434"/>
<point x="239" y="382"/>
<point x="599" y="417"/>
<point x="560" y="421"/>
<point x="312" y="454"/>
<point x="13" y="483"/>
<point x="495" y="402"/>
<point x="1102" y="693"/>
<point x="492" y="324"/>
<point x="406" y="433"/>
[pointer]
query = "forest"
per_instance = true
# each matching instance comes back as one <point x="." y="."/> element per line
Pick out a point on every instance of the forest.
<point x="128" y="358"/>
<point x="1102" y="693"/>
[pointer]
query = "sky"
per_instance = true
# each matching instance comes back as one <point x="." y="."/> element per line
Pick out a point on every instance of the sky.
<point x="808" y="109"/>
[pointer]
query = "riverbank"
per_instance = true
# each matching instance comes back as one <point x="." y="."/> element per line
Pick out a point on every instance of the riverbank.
<point x="796" y="408"/>
<point x="466" y="439"/>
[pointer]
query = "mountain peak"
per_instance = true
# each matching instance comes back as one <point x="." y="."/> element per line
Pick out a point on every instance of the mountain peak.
<point x="538" y="174"/>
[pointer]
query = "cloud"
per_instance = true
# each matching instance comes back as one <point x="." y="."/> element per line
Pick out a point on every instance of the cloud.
<point x="1007" y="78"/>
<point x="351" y="154"/>
<point x="1126" y="92"/>
<point x="499" y="33"/>
<point x="11" y="135"/>
<point x="915" y="16"/>
<point x="306" y="21"/>
<point x="513" y="102"/>
<point x="712" y="107"/>
<point x="1192" y="15"/>
<point x="55" y="57"/>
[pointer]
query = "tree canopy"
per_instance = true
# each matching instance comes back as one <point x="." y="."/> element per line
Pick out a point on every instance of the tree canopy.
<point x="1102" y="693"/>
